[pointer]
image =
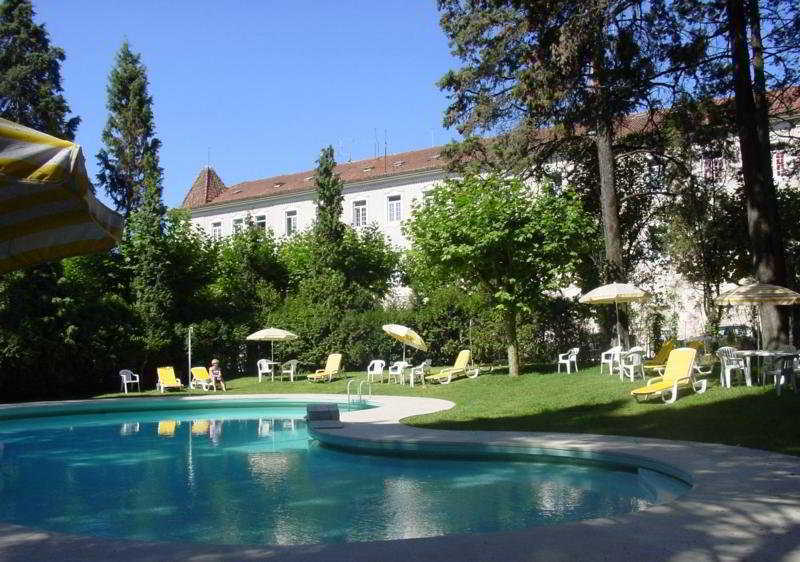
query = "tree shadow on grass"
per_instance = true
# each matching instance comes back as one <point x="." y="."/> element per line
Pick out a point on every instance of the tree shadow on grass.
<point x="760" y="421"/>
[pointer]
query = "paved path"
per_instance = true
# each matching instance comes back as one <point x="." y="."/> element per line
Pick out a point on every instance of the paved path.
<point x="745" y="505"/>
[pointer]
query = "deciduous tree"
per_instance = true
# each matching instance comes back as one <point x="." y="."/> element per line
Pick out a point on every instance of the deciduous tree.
<point x="501" y="238"/>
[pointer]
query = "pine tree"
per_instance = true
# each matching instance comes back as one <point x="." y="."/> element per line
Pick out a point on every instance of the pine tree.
<point x="30" y="73"/>
<point x="131" y="147"/>
<point x="329" y="228"/>
<point x="725" y="55"/>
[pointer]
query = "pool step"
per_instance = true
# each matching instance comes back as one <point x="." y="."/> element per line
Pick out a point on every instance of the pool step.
<point x="323" y="416"/>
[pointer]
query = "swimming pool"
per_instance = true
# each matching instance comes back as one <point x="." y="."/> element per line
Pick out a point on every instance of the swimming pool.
<point x="245" y="472"/>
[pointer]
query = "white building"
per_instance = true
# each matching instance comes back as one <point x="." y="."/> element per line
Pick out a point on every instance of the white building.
<point x="379" y="190"/>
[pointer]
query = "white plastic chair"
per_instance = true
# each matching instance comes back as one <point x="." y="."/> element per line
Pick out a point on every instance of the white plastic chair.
<point x="419" y="372"/>
<point x="631" y="361"/>
<point x="396" y="371"/>
<point x="289" y="368"/>
<point x="375" y="369"/>
<point x="129" y="377"/>
<point x="783" y="373"/>
<point x="610" y="358"/>
<point x="569" y="359"/>
<point x="731" y="363"/>
<point x="265" y="368"/>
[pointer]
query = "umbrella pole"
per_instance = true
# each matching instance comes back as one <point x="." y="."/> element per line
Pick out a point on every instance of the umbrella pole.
<point x="619" y="331"/>
<point x="272" y="351"/>
<point x="404" y="353"/>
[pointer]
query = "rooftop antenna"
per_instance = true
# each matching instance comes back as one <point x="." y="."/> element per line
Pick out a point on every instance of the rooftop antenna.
<point x="350" y="156"/>
<point x="208" y="157"/>
<point x="376" y="142"/>
<point x="385" y="149"/>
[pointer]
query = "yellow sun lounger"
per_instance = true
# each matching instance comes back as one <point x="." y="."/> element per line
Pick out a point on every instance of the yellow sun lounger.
<point x="458" y="369"/>
<point x="201" y="378"/>
<point x="167" y="379"/>
<point x="332" y="368"/>
<point x="678" y="372"/>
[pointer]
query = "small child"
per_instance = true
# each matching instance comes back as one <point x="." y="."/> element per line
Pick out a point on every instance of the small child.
<point x="216" y="374"/>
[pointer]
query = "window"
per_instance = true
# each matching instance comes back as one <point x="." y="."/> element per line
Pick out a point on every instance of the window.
<point x="712" y="167"/>
<point x="395" y="213"/>
<point x="359" y="213"/>
<point x="291" y="222"/>
<point x="216" y="229"/>
<point x="238" y="224"/>
<point x="261" y="222"/>
<point x="780" y="164"/>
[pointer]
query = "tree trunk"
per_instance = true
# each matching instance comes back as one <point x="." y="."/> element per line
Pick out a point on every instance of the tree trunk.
<point x="762" y="216"/>
<point x="510" y="317"/>
<point x="609" y="203"/>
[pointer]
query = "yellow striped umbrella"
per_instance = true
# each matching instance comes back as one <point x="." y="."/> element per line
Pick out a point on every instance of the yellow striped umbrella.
<point x="759" y="293"/>
<point x="47" y="208"/>
<point x="405" y="335"/>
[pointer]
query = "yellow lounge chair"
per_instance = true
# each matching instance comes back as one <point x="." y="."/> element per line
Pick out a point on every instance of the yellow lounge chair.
<point x="332" y="368"/>
<point x="660" y="358"/>
<point x="458" y="369"/>
<point x="678" y="372"/>
<point x="201" y="378"/>
<point x="167" y="379"/>
<point x="166" y="428"/>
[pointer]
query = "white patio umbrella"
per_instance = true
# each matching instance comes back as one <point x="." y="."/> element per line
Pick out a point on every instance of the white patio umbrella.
<point x="272" y="335"/>
<point x="47" y="206"/>
<point x="615" y="293"/>
<point x="756" y="294"/>
<point x="405" y="335"/>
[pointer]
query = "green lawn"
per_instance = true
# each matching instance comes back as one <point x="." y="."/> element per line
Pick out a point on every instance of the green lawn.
<point x="587" y="402"/>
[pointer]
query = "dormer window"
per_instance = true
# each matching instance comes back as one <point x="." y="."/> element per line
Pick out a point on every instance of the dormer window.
<point x="398" y="163"/>
<point x="369" y="169"/>
<point x="278" y="184"/>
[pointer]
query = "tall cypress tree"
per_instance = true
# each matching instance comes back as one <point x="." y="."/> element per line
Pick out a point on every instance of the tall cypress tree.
<point x="329" y="228"/>
<point x="131" y="147"/>
<point x="30" y="73"/>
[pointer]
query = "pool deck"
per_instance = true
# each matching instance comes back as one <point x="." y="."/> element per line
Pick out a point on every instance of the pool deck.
<point x="745" y="505"/>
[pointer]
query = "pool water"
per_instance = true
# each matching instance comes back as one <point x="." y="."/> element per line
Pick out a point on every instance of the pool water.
<point x="251" y="475"/>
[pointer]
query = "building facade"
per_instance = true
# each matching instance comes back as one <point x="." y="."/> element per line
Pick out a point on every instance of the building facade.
<point x="379" y="191"/>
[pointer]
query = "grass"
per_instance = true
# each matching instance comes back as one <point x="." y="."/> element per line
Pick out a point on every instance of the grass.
<point x="586" y="402"/>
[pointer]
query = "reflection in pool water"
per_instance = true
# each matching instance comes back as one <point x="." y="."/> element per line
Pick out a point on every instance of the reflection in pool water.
<point x="255" y="478"/>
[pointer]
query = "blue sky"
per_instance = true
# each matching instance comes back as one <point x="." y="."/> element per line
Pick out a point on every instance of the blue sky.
<point x="262" y="85"/>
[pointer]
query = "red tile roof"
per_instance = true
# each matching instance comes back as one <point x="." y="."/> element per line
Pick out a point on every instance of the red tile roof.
<point x="205" y="188"/>
<point x="373" y="168"/>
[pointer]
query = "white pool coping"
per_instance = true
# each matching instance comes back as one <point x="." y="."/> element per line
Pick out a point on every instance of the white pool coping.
<point x="744" y="504"/>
